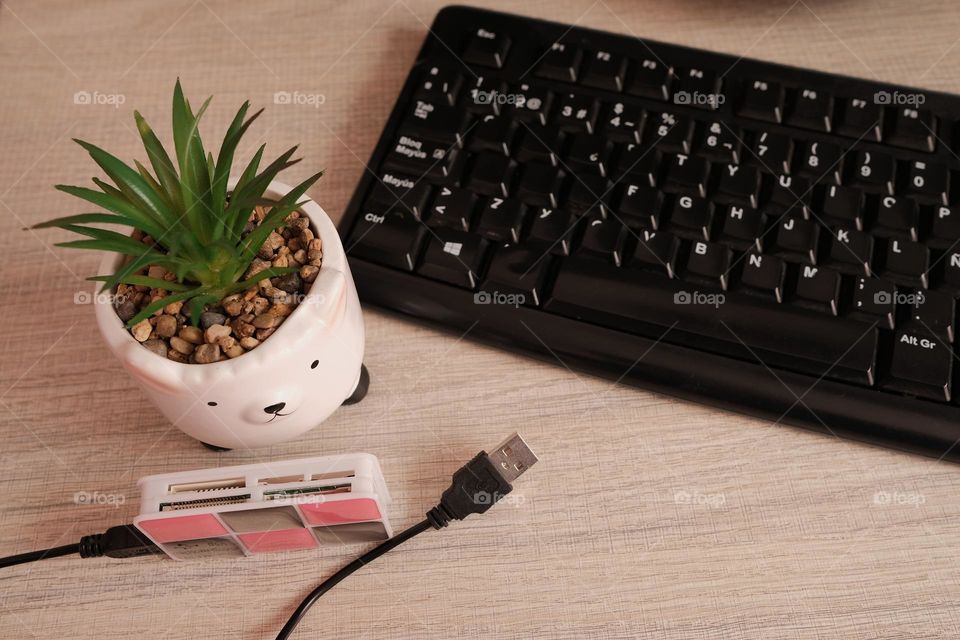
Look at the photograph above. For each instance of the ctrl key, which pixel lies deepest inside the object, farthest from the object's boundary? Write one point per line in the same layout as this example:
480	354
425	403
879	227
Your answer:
392	239
921	364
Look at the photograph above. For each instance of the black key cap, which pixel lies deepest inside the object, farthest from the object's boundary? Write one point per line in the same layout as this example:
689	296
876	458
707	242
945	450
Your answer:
531	105
640	302
540	184
818	288
485	96
945	229
435	121
560	62
588	193
576	113
737	184
709	263
421	157
721	143
491	174
540	143
453	208
797	240
403	192
392	239
851	251
914	129
764	275
933	310
439	85
493	133
762	100
554	228
656	251
928	182
602	238
640	204
951	270
639	163
907	263
861	119
454	257
698	88
517	270
773	152
921	364
651	79
811	109
843	205
691	218
873	172
743	227
790	194
670	133
624	123
686	174
487	47
589	154
822	162
605	70
897	217
501	220
874	300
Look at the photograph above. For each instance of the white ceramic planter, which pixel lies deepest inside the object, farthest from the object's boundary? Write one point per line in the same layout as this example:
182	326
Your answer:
223	403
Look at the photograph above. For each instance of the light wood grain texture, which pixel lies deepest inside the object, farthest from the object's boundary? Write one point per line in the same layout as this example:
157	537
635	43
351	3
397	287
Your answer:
647	516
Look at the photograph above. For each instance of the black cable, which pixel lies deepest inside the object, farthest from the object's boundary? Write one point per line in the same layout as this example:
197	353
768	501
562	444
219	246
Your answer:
335	579
30	556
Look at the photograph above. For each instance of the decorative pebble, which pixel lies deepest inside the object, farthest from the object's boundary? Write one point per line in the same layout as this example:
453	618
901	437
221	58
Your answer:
263	321
232	304
309	272
142	330
206	353
290	283
159	347
166	326
256	267
249	342
210	318
173	308
125	307
176	356
191	334
181	345
215	332
156	272
230	347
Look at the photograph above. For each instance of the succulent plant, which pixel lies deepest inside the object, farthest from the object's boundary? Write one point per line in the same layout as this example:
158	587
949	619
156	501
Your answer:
199	227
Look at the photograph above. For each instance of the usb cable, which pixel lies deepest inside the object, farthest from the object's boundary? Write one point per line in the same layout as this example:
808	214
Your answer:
476	487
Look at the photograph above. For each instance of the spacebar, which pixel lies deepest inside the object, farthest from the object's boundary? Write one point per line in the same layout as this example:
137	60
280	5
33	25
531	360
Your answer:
737	325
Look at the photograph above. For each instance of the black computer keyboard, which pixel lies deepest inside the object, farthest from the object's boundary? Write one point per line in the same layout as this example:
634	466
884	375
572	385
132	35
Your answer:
776	241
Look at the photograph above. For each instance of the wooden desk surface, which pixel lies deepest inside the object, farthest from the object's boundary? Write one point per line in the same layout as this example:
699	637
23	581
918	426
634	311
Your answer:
646	517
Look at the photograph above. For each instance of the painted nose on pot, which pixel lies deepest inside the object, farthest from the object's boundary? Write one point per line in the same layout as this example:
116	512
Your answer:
275	408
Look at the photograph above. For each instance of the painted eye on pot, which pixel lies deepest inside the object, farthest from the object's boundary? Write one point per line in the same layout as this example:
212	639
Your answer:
313	365
211	404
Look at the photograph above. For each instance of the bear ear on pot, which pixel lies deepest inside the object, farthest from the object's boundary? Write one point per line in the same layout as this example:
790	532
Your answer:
153	371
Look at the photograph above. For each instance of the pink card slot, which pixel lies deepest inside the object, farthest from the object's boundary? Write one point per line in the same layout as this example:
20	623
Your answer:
341	511
270	541
183	528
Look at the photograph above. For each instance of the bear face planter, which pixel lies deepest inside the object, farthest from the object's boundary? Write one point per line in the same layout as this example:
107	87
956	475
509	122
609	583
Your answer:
289	384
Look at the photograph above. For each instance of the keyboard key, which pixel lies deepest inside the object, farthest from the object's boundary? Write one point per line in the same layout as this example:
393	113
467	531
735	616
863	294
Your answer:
698	88
553	228
421	157
454	257
861	119
588	193
691	218
721	143
487	47
518	270
399	191
589	153
670	133
629	300
927	182
818	288
540	184
951	270
540	142
921	364
764	275
914	129
822	162
624	123
873	172
762	100
897	217
875	300
641	204
605	70
392	238
945	229
737	185
639	163
491	174
811	109
851	251
531	105
493	133
560	62
772	152
797	240
576	113
686	174
709	263
656	251
907	263
651	79
501	220
791	194
435	121
439	85
843	205
452	208
602	238
933	310
484	96
743	227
